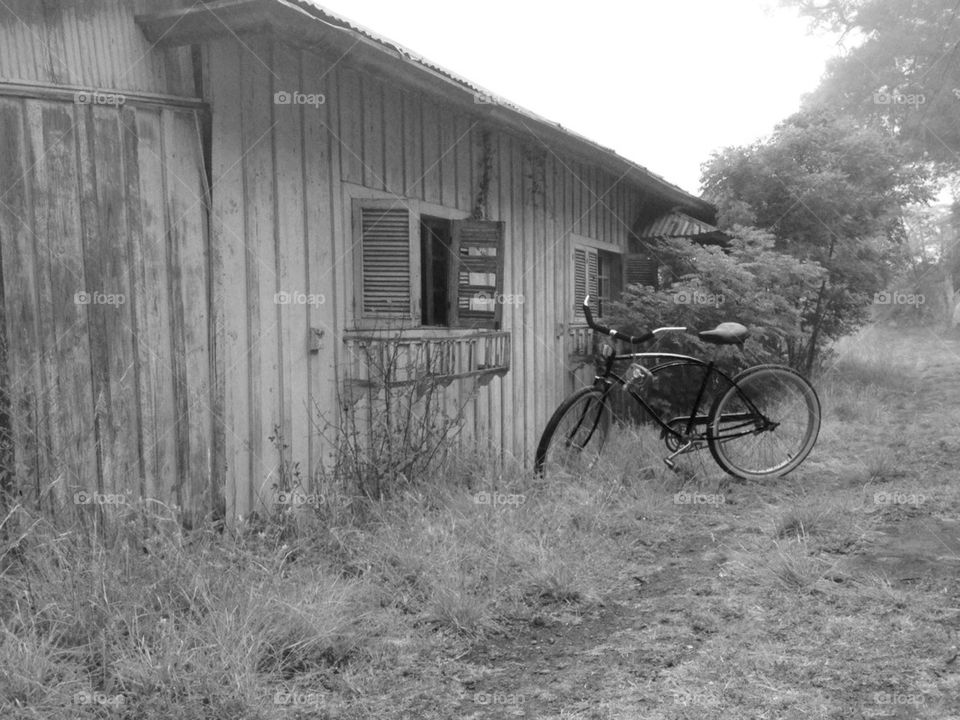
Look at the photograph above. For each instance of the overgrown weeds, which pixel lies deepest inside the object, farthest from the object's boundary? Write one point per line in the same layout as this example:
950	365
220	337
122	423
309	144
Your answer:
352	607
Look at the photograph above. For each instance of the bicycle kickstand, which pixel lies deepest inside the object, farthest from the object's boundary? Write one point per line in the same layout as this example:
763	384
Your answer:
680	450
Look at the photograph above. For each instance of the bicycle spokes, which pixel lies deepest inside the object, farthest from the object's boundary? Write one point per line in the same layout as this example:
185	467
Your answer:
576	433
766	424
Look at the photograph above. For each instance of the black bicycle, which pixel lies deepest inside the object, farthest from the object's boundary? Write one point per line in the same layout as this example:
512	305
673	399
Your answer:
762	423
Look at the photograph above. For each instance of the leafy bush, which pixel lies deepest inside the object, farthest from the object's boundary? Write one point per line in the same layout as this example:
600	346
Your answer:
748	282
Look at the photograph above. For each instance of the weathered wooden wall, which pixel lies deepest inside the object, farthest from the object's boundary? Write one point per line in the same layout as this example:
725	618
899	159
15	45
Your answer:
103	232
283	178
200	389
90	44
103	202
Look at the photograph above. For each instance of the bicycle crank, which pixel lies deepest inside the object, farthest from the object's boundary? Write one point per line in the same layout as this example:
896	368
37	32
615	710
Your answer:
686	447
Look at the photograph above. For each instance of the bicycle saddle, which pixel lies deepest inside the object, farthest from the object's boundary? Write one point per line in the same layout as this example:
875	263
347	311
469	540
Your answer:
728	333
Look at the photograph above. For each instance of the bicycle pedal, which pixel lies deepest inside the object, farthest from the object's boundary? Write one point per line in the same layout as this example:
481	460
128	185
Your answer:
670	463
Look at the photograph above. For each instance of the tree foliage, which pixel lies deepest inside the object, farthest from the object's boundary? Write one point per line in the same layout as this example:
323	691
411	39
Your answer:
830	190
902	71
749	282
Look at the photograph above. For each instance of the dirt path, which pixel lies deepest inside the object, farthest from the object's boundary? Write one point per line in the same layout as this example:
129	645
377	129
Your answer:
584	662
719	618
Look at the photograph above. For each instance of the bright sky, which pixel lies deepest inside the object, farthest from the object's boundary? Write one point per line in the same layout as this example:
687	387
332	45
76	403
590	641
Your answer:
664	83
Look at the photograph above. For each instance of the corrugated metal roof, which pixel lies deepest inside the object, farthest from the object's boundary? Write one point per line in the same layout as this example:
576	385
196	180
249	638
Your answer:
676	224
322	13
348	24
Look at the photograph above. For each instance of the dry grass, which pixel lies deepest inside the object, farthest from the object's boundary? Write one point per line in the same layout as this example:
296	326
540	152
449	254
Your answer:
739	609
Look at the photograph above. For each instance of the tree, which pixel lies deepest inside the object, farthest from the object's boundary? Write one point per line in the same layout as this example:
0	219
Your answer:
830	190
903	73
933	273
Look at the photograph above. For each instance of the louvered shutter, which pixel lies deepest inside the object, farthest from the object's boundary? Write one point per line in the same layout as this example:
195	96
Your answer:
476	278
385	232
584	280
641	269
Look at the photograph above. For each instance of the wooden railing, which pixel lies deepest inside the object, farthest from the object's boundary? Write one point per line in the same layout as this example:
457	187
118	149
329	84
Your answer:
390	361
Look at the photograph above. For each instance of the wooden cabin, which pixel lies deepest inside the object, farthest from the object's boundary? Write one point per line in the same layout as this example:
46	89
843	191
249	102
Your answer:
211	214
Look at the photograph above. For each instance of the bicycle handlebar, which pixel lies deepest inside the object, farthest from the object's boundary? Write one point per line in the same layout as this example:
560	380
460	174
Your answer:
616	335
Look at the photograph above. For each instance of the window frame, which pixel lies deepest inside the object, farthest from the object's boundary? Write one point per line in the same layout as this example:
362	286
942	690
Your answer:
358	196
596	247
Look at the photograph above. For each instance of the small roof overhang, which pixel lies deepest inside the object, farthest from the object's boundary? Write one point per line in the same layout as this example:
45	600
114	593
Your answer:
678	224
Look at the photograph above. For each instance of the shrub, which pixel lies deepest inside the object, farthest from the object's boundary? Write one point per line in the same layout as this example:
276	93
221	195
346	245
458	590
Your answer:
747	282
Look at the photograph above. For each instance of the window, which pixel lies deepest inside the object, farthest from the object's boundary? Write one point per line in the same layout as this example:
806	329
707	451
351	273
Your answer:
425	269
599	274
436	240
642	269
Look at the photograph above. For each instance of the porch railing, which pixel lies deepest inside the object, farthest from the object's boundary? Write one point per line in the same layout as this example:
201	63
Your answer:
391	361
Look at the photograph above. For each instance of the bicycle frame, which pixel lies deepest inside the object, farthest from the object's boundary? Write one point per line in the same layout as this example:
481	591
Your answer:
748	419
725	407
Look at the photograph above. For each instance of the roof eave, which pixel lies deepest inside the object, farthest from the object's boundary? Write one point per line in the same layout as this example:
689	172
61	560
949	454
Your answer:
287	20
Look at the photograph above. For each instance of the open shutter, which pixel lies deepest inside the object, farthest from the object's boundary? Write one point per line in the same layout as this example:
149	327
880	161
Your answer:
584	280
641	269
385	262
476	274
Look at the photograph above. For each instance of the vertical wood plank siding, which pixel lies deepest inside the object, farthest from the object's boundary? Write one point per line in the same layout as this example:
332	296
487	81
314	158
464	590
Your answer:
103	235
405	145
89	44
203	387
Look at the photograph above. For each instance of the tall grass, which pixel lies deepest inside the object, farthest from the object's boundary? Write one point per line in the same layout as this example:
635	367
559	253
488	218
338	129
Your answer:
143	618
288	614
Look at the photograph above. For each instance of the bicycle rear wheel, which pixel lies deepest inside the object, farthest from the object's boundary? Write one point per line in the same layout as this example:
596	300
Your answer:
575	434
765	424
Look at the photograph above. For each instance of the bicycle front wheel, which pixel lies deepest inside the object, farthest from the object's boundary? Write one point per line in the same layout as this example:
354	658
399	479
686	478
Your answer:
575	434
765	424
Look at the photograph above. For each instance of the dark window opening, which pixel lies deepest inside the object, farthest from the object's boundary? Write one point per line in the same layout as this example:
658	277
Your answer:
609	280
599	274
435	255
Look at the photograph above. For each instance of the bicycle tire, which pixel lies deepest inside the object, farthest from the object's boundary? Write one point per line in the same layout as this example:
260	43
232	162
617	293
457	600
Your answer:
782	395
583	416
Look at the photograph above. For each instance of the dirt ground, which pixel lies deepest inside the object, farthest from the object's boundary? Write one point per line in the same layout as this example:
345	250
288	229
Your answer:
863	624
